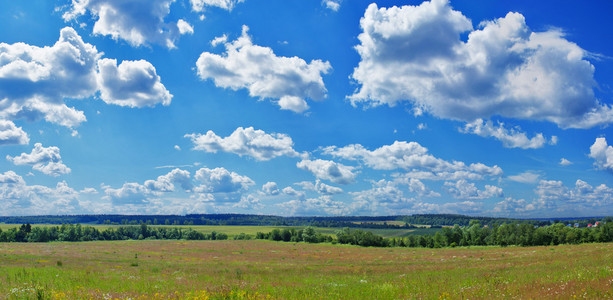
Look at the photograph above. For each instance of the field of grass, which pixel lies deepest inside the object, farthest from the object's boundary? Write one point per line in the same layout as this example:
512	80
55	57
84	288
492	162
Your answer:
258	269
231	231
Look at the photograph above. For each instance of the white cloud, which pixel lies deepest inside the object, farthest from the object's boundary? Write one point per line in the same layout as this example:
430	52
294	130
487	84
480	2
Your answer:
246	141
334	5
165	183
219	40
510	138
46	160
129	193
34	80
510	206
323	205
325	189
565	162
526	177
412	157
416	54
328	170
416	186
462	189
198	5
132	83
247	66
184	27
177	148
137	22
18	198
220	180
602	153
270	189
11	134
289	191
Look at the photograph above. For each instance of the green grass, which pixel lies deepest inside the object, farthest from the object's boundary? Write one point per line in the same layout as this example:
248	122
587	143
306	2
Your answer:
262	269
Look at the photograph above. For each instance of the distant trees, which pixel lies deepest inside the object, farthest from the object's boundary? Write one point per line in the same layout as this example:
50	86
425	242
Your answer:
507	234
76	233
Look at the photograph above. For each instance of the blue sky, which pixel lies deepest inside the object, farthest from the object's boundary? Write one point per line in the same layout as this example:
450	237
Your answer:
491	108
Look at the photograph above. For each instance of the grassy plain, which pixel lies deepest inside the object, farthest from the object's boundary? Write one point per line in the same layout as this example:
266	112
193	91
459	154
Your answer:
231	231
258	269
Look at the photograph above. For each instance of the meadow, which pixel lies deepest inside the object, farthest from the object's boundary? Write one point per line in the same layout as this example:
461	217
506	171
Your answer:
260	269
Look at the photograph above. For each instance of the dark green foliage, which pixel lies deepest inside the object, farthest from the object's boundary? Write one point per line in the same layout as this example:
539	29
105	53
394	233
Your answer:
78	233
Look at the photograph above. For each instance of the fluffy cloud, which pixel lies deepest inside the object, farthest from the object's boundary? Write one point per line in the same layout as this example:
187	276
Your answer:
18	198
270	189
565	162
328	170
129	193
11	134
462	189
46	160
325	189
132	83
416	54
137	22
510	138
526	177
510	206
198	5
334	5
34	81
323	205
246	141
220	180
166	183
412	157
289	191
602	153
290	80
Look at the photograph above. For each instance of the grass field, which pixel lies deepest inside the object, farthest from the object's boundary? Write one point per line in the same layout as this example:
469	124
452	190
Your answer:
252	230
262	269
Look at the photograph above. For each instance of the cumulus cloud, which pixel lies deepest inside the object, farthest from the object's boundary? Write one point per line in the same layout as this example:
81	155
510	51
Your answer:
246	141
137	22
270	189
11	134
510	206
166	183
462	189
18	198
334	5
34	81
199	5
325	189
323	205
290	191
129	193
328	170
220	180
565	162
132	84
184	27
290	80
46	160
526	177
411	156
510	138
602	154
417	54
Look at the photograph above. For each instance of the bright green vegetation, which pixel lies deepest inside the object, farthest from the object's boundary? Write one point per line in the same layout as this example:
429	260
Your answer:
257	269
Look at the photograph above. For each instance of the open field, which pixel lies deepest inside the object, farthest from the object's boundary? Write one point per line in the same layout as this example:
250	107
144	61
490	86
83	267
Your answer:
263	269
231	231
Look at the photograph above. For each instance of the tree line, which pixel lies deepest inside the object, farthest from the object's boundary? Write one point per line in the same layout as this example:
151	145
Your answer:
507	234
79	233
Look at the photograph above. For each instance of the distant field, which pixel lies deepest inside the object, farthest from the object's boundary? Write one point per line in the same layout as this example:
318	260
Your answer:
252	230
264	269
